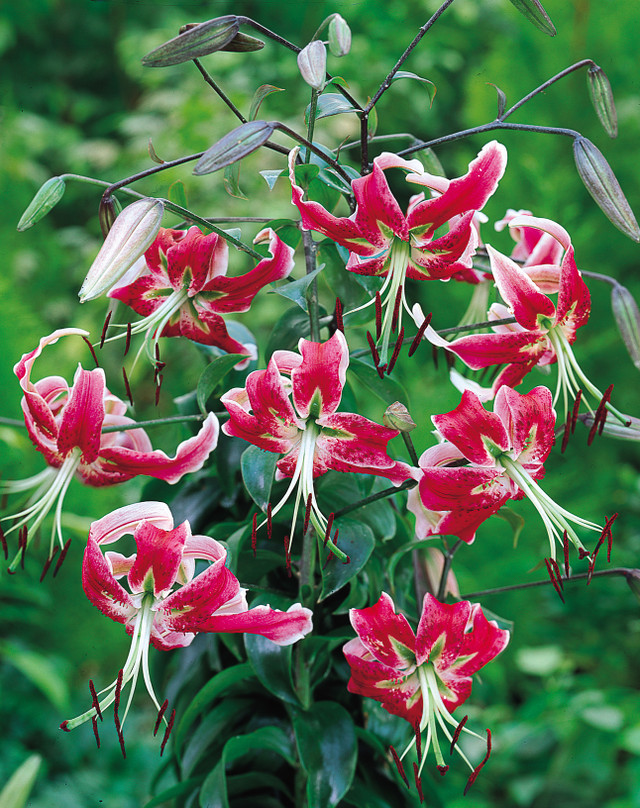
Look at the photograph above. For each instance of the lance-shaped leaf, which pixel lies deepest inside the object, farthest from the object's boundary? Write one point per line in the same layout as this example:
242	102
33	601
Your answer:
298	291
330	104
535	13
429	85
602	99
258	97
47	198
627	316
243	140
258	469
18	788
208	37
212	375
601	182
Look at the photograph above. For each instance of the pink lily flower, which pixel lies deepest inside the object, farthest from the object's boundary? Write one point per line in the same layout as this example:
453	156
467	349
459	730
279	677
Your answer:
423	676
384	241
291	408
184	290
65	424
543	332
166	606
487	458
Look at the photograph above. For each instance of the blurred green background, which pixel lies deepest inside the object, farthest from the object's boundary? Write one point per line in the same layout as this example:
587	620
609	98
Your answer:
563	700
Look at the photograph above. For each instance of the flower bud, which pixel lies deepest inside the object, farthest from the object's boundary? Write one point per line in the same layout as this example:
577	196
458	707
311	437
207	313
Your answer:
397	416
312	63
339	36
132	234
602	99
47	197
627	317
108	212
194	41
601	182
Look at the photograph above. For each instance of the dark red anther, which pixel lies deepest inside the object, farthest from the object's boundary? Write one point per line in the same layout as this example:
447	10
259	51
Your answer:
93	353
327	532
127	343
338	315
63	555
609	535
157	354
399	766
576	407
105	328
47	564
287	555
600	416
456	734
565	547
116	703
64	726
167	731
396	351
556	571
556	584
254	533
120	737
476	771
374	350
126	386
567	432
269	522
94	724
158	388
434	355
307	514
418	783
161	713
3	541
418	337
416	730
94	699
378	315
396	309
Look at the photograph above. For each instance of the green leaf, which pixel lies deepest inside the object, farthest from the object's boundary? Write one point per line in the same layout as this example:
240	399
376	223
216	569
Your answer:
387	389
258	469
235	145
18	788
272	666
199	40
357	541
270	175
177	194
330	104
293	324
514	520
429	85
176	790
45	199
328	749
41	672
218	723
297	291
212	375
258	97
627	317
535	13
231	181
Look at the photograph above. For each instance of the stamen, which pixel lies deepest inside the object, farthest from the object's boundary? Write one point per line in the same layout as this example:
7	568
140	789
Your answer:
116	703
22	544
94	724
456	733
47	563
576	407
556	584
396	309
378	316
396	351
478	768
63	555
126	386
418	782
418	337
600	416
93	353
399	766
567	431
161	712
287	555
269	522
607	531
116	717
307	514
374	350
416	729
167	732
94	699
565	547
64	726
127	343
254	534
338	315
5	548
105	328
327	532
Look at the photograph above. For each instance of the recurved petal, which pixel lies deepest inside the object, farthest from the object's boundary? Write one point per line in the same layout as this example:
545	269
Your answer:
125	520
386	635
529	420
83	415
101	587
574	300
282	628
319	379
482	641
470	427
519	291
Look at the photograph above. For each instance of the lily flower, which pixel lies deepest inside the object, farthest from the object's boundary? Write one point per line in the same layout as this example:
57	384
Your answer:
487	458
184	290
384	241
65	424
424	676
291	408
543	332
166	606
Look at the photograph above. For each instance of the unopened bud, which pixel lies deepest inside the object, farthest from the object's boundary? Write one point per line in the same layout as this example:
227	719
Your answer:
397	416
194	41
601	182
602	99
108	212
339	36
627	317
47	197
312	63
132	234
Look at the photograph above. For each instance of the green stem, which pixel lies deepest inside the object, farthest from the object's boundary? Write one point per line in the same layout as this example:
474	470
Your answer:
627	572
406	437
387	492
448	560
314	308
11	422
546	84
313	109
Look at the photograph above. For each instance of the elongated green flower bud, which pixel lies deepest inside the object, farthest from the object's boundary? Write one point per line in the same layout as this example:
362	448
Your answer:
47	198
602	99
339	36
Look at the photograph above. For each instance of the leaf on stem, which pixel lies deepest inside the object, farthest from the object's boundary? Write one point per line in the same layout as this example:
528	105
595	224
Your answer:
199	40
601	182
602	99
46	198
237	144
258	97
212	375
502	99
535	13
627	317
258	469
429	85
329	104
298	291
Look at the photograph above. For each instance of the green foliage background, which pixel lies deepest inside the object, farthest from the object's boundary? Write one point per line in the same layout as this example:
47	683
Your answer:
563	699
